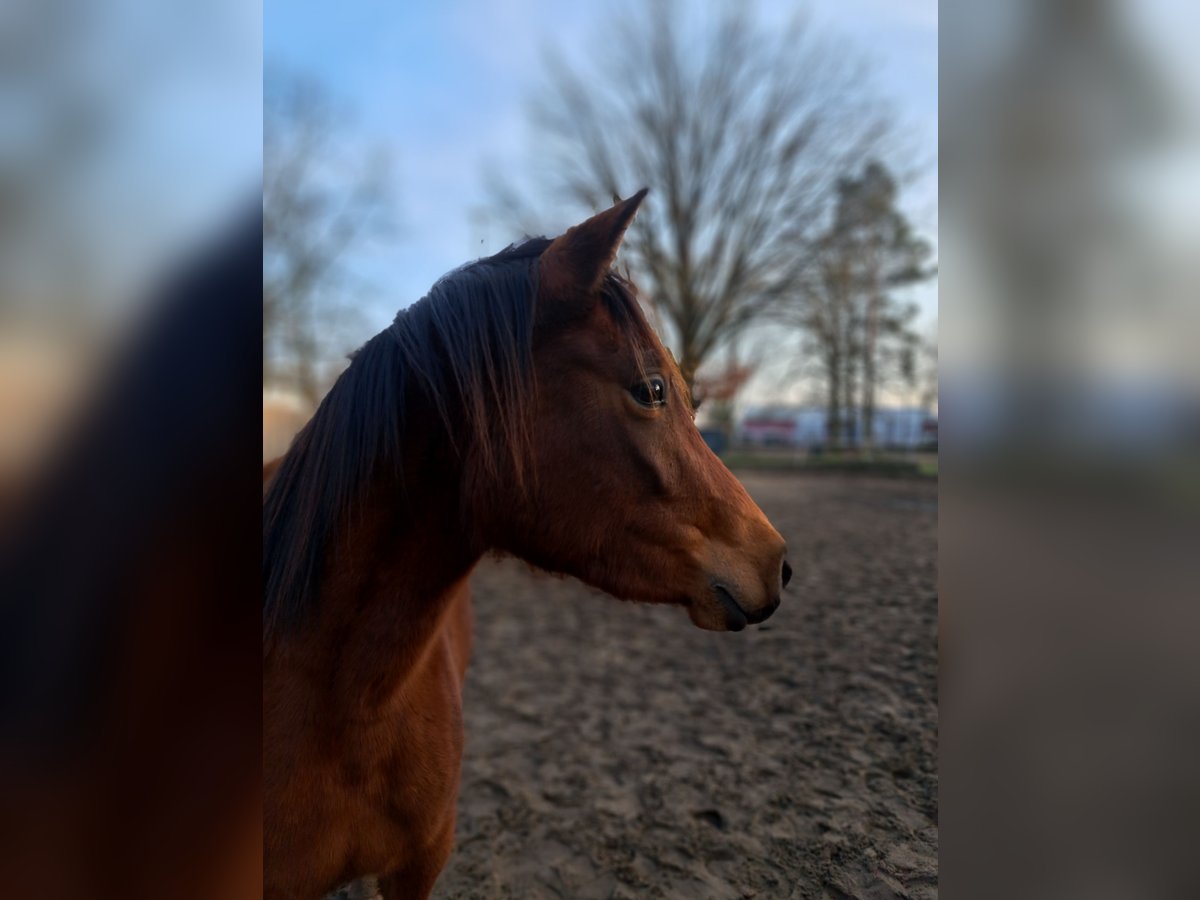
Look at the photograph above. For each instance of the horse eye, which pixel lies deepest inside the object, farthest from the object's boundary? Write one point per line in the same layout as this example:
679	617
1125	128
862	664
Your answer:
651	392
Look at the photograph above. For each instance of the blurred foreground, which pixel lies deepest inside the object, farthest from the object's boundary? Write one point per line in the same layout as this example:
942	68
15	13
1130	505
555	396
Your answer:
130	719
1070	439
130	316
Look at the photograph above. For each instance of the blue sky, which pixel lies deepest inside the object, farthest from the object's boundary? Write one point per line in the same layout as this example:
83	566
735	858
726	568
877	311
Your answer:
443	88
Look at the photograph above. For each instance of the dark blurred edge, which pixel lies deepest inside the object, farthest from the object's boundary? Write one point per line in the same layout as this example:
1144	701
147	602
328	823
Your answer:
1069	528
130	665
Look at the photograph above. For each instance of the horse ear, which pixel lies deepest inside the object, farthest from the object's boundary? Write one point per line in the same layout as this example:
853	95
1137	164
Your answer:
578	259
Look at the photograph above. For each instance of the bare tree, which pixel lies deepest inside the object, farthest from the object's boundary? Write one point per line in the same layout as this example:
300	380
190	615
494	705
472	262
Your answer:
319	203
739	131
858	329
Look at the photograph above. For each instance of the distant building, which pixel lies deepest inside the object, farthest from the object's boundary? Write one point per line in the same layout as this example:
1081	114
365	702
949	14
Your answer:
803	427
782	427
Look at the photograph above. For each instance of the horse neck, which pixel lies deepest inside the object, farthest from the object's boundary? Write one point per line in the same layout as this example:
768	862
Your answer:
391	571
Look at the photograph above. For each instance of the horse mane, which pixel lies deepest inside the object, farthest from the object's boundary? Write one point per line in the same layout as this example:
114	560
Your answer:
468	346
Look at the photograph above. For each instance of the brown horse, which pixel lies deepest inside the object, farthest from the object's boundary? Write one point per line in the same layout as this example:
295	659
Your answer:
524	406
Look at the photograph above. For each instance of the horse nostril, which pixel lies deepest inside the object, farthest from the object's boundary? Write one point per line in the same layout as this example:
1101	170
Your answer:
787	573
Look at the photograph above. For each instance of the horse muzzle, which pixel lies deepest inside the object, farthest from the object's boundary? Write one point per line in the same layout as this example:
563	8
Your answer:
723	610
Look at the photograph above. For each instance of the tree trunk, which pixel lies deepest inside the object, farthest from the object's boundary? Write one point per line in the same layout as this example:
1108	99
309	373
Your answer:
849	379
833	401
869	374
688	363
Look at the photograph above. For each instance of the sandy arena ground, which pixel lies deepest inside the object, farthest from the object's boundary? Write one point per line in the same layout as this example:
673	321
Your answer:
615	750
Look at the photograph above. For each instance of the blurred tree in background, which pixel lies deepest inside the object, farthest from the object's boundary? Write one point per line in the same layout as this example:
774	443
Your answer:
742	133
859	332
318	203
927	373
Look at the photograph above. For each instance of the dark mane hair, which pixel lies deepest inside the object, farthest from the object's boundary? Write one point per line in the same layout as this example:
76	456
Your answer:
468	346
